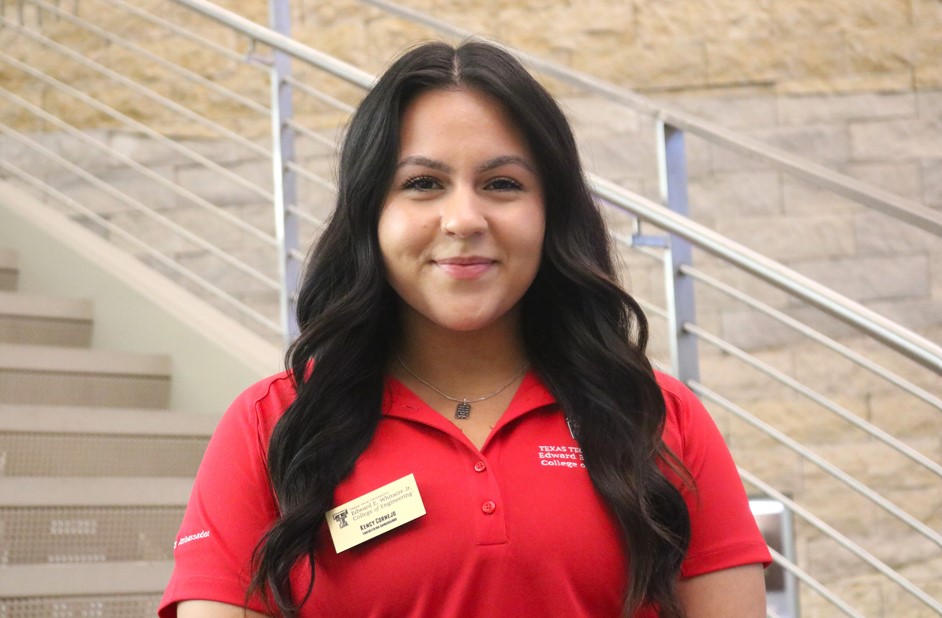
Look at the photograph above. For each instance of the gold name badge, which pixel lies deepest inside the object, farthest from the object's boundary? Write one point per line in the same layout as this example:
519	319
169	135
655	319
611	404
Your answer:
375	513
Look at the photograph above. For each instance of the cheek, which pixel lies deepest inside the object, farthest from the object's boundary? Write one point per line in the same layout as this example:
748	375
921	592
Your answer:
389	233
400	243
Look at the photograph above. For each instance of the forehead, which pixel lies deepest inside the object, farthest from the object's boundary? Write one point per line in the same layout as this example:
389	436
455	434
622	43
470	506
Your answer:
459	119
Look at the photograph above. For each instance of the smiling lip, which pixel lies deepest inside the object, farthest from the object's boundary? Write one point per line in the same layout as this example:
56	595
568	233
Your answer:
465	267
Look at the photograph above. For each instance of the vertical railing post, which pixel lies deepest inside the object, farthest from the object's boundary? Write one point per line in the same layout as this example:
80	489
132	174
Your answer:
285	182
672	168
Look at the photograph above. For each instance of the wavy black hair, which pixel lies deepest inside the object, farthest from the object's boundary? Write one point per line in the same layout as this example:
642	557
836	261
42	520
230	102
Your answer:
584	335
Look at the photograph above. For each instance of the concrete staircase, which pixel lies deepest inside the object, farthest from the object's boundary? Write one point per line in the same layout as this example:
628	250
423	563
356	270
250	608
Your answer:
94	470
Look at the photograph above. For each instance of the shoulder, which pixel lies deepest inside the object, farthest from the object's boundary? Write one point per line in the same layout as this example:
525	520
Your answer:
686	418
269	395
679	400
257	409
670	386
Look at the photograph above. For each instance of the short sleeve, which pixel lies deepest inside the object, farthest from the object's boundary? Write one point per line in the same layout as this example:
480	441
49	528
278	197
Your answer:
230	508
724	533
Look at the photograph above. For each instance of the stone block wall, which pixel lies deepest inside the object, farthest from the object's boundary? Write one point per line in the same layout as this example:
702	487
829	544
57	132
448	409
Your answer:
857	88
776	47
888	266
783	46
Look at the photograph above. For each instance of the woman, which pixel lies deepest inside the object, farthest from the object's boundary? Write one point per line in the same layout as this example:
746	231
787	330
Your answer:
469	426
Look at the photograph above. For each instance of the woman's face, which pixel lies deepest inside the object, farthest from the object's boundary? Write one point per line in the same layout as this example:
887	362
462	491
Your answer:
461	230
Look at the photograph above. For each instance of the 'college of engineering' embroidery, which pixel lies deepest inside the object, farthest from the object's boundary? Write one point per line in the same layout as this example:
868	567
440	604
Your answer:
561	456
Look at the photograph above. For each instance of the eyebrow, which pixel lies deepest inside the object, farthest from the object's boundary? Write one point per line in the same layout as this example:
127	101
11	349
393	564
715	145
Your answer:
425	162
505	160
487	166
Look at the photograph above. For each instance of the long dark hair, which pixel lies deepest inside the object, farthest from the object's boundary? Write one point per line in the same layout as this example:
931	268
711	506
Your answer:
589	348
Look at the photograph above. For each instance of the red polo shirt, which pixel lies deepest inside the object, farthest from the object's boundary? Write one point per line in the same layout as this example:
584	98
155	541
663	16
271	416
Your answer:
513	529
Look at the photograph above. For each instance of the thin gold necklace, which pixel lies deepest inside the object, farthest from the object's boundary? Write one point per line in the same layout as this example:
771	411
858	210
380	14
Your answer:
463	409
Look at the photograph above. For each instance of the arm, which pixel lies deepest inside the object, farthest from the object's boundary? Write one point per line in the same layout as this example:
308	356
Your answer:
231	505
722	575
212	609
738	591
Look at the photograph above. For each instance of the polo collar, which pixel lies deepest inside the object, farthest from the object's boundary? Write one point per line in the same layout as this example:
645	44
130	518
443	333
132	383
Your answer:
401	402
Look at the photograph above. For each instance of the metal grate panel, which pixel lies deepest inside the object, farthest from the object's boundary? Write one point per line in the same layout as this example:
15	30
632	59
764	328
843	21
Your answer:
84	389
42	454
8	278
78	534
137	606
45	331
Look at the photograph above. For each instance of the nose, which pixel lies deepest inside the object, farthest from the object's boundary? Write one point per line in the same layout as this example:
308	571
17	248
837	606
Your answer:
462	214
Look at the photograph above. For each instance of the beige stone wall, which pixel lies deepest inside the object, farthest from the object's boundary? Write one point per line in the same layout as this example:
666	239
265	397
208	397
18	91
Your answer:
783	46
774	47
855	86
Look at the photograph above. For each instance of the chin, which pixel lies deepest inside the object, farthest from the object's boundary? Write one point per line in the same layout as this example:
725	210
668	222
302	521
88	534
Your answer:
466	326
476	323
466	317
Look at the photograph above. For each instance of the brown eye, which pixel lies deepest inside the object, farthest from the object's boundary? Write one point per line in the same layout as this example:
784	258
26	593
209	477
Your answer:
504	184
421	183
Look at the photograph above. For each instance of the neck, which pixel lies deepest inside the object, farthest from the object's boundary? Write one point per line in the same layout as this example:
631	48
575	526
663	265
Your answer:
459	362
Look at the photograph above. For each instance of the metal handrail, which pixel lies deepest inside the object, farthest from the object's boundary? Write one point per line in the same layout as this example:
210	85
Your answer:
146	92
815	335
651	309
331	65
308	217
128	121
152	57
909	211
309	175
147	249
827	466
142	208
183	32
829	530
320	96
648	307
814	584
899	338
317	179
301	129
899	446
143	170
893	335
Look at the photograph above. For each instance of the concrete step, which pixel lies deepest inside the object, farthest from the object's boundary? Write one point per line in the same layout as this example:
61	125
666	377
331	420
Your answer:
68	520
45	320
34	374
9	269
66	441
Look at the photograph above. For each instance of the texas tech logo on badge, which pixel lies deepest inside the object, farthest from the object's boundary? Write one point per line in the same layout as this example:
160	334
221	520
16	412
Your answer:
341	518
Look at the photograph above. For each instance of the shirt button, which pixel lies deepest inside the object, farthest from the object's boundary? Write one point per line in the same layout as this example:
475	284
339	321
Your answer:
480	466
488	507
